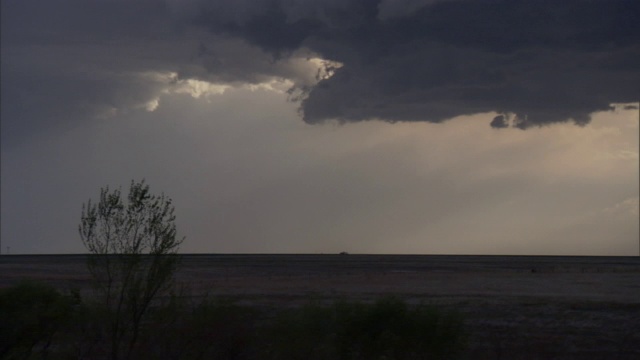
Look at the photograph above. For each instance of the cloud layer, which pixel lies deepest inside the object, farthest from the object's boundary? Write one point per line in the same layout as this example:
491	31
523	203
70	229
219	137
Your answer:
538	62
535	62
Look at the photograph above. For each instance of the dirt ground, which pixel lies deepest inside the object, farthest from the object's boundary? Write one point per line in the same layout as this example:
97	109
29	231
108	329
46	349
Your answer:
515	307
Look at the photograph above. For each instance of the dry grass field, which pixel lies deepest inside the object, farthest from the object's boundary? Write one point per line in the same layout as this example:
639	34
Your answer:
515	307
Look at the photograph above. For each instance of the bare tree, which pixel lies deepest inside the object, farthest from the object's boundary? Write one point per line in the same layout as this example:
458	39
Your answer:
133	257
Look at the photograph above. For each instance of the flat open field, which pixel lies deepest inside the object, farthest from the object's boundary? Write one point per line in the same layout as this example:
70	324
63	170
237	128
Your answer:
515	307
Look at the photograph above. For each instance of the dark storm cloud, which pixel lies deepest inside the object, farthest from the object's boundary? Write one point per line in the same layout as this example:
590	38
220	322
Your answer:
541	61
536	62
68	62
500	122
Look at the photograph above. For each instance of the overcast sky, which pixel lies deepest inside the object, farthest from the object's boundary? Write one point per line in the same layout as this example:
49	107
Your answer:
320	126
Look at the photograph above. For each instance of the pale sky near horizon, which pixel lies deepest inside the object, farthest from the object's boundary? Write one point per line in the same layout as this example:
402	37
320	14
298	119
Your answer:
299	126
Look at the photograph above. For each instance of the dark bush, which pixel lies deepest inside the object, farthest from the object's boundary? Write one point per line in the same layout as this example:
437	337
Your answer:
391	329
37	322
386	329
306	333
31	315
212	329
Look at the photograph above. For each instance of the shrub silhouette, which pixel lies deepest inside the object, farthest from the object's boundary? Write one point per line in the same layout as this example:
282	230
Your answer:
386	329
40	322
212	329
133	257
31	314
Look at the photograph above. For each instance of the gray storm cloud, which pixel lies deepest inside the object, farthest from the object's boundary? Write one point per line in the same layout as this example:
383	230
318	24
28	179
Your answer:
536	62
68	62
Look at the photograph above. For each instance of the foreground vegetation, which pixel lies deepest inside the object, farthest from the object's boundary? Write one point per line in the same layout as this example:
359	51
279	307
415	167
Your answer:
39	322
134	312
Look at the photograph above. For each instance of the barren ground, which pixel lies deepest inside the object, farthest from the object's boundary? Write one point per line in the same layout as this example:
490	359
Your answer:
515	307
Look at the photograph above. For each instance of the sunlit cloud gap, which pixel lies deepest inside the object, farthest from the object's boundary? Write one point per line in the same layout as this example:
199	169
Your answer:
314	70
